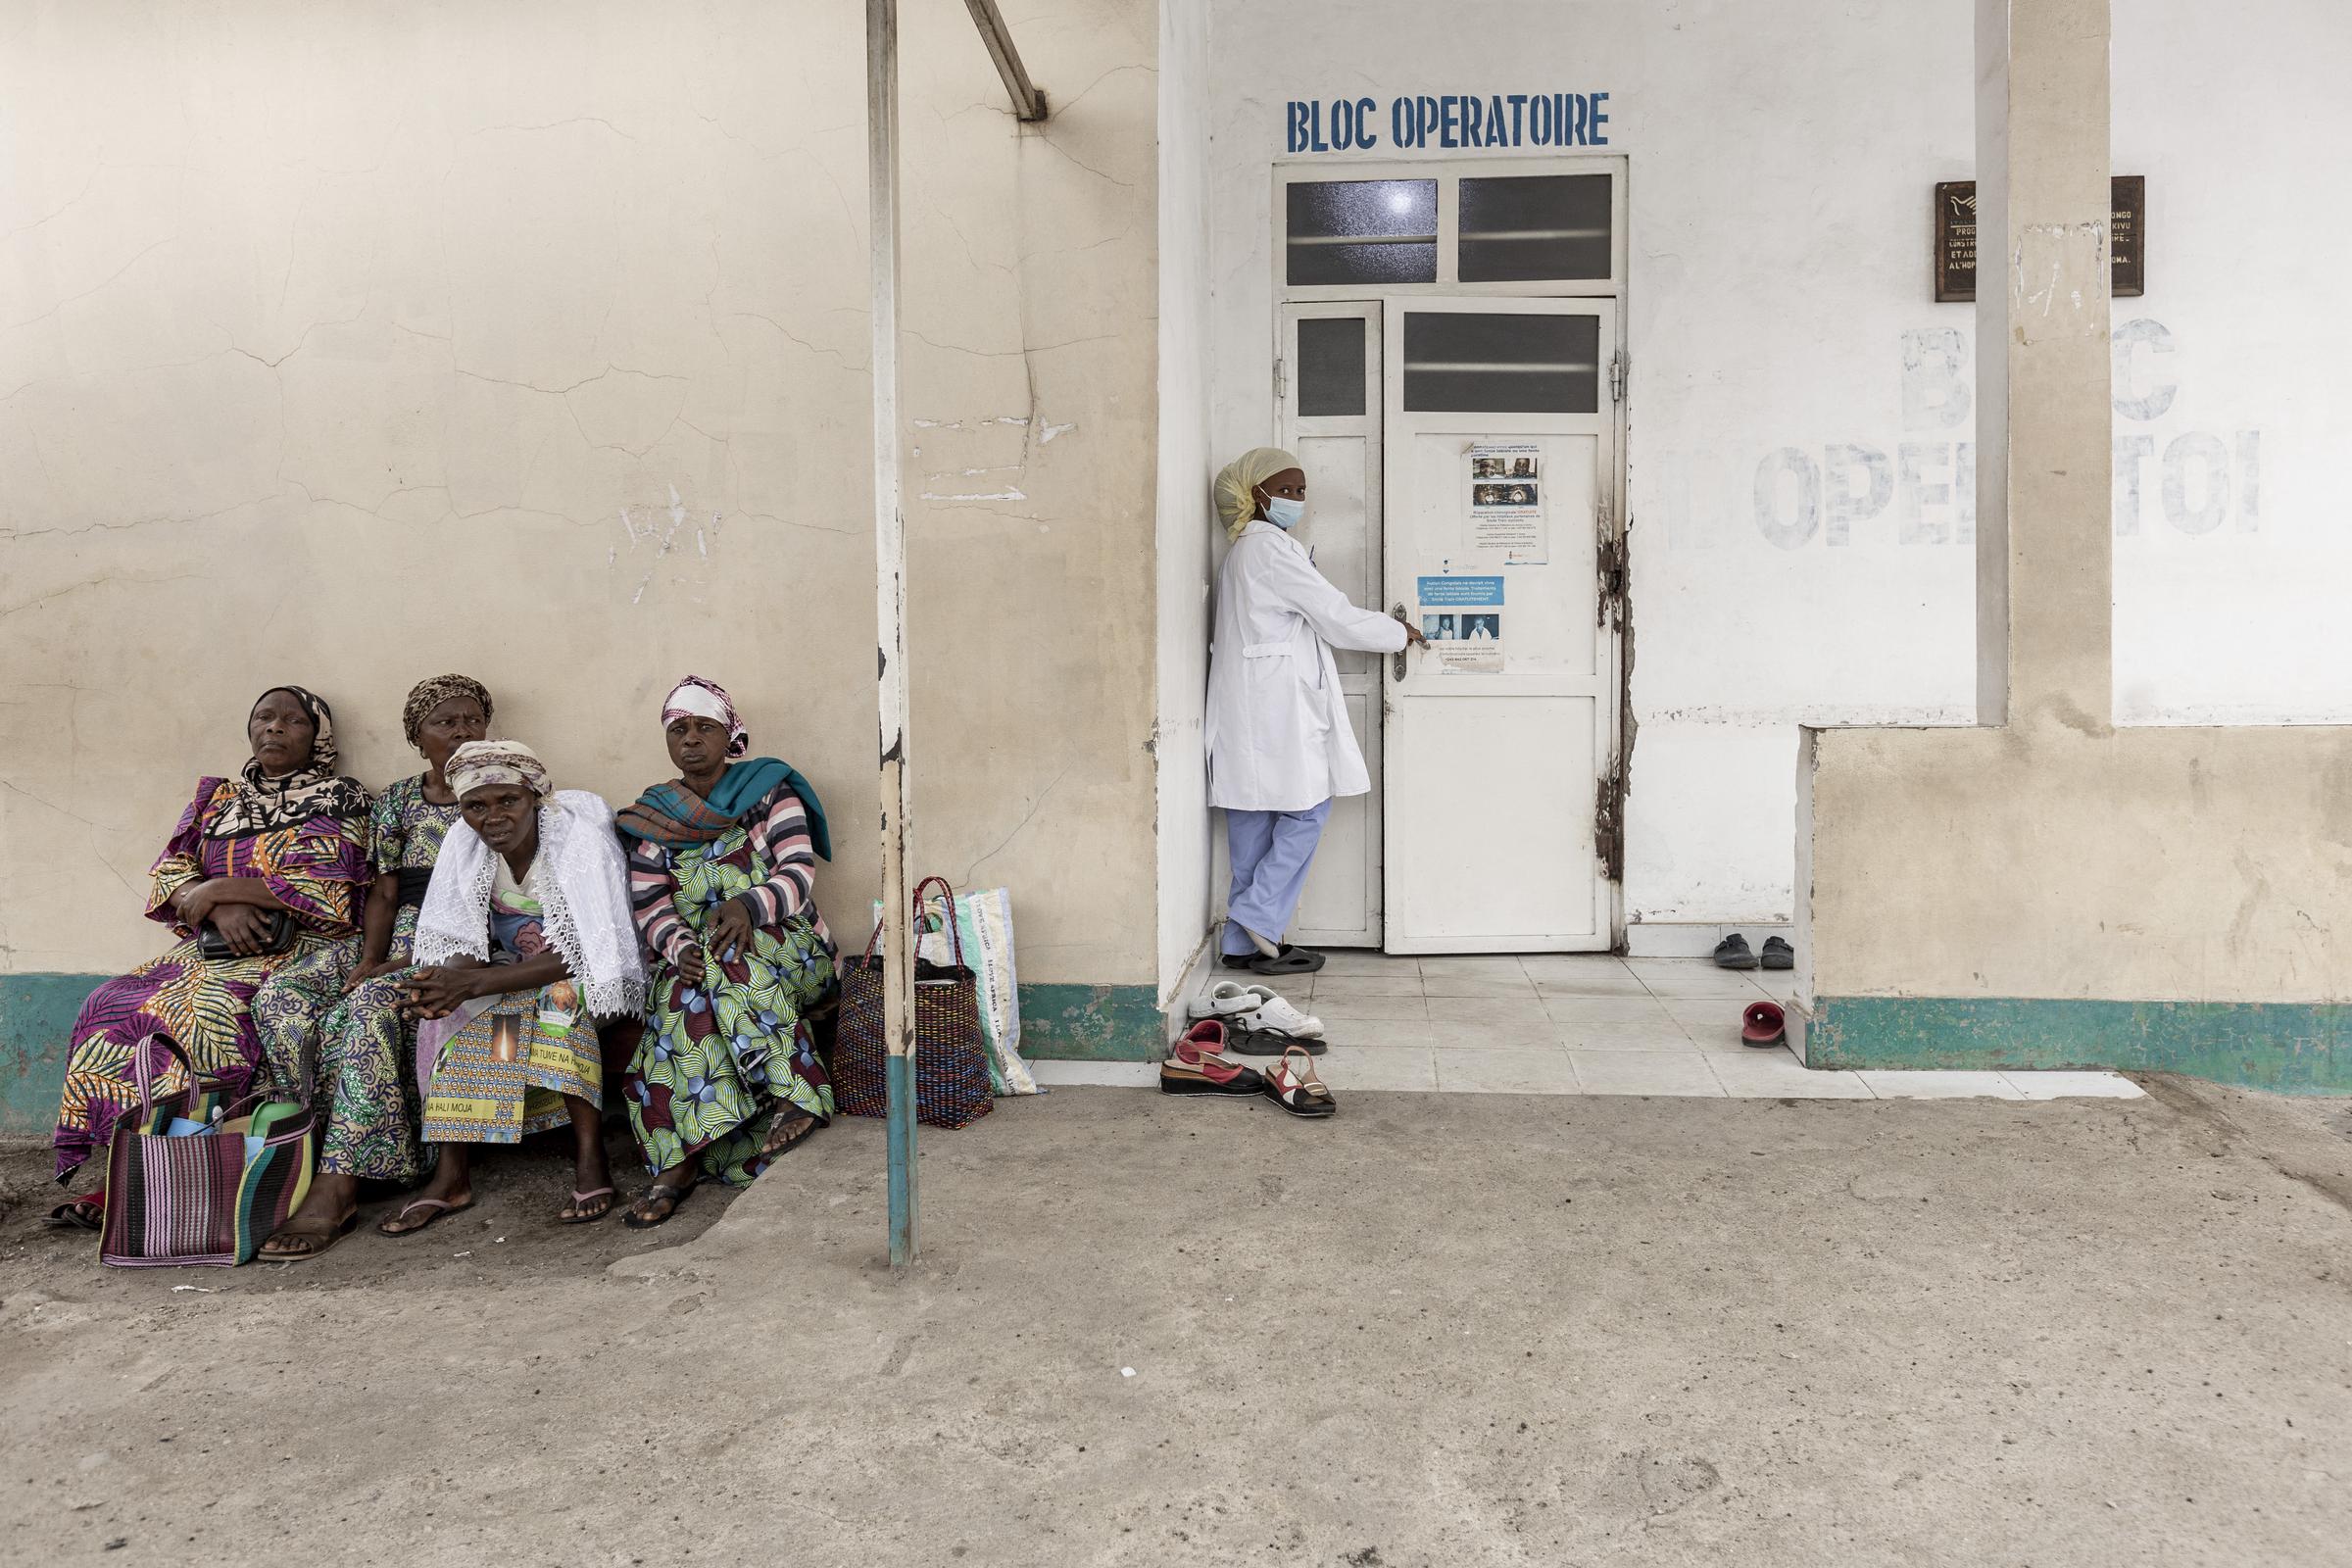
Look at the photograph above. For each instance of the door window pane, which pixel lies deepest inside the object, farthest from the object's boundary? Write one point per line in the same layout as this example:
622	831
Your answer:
1362	231
1530	227
1478	364
1331	366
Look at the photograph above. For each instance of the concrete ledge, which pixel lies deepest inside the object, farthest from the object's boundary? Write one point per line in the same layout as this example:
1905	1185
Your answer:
1058	1022
2289	1048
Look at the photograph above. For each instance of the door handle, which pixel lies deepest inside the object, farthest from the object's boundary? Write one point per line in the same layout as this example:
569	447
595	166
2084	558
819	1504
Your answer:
1398	610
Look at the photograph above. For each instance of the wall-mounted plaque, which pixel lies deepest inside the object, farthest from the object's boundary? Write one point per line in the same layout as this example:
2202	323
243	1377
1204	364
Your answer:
2127	238
1956	239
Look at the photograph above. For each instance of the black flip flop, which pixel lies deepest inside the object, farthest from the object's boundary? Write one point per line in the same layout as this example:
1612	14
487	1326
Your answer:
779	1150
1272	1042
79	1214
676	1196
1289	960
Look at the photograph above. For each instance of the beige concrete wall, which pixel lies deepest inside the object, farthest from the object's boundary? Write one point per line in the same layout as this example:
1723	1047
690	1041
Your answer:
2134	864
349	344
2056	857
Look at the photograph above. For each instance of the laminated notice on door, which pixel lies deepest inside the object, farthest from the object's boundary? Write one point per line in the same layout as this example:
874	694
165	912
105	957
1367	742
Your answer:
1462	619
1506	503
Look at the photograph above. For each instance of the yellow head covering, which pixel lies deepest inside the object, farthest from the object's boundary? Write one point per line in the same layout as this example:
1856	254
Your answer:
1254	467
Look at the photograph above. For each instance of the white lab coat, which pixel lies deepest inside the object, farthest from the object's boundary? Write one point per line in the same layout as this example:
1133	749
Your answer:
1277	729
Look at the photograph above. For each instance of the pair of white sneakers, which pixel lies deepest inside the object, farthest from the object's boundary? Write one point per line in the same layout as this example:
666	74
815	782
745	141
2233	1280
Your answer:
1240	1006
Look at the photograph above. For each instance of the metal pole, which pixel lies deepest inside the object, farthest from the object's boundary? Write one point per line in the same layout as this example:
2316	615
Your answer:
1028	101
890	613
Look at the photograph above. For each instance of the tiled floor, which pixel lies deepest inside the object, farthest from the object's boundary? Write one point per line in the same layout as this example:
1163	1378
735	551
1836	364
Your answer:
1579	1025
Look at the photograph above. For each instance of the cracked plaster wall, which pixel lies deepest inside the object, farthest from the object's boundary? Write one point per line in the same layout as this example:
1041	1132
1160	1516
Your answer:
351	344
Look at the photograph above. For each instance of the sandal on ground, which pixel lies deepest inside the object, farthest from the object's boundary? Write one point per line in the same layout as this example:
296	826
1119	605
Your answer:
1289	960
1732	953
1294	1086
440	1211
1777	954
1272	1042
660	1193
580	1215
781	1142
1196	1065
84	1213
317	1239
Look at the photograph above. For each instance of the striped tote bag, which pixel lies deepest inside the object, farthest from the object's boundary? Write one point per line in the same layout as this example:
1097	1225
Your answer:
181	1188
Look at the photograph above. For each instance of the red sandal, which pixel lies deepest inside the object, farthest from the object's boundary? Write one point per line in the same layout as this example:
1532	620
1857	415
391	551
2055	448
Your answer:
1294	1086
1196	1065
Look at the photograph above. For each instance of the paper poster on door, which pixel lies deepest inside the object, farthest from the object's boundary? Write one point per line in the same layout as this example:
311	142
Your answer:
1462	619
1506	502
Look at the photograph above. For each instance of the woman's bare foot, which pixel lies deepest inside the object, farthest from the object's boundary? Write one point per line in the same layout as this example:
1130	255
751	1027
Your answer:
449	1190
319	1222
788	1131
662	1199
591	1175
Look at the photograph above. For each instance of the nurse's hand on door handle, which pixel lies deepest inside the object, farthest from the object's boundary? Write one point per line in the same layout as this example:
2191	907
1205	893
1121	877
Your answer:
1412	638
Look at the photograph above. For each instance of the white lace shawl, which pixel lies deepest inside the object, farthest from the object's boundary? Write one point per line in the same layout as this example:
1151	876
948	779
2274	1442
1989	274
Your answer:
582	881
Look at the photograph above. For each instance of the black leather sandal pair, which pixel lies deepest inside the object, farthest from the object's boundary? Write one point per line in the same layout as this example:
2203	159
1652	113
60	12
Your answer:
1734	952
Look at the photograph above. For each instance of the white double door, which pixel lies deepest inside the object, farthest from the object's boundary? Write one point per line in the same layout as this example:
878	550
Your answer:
1461	463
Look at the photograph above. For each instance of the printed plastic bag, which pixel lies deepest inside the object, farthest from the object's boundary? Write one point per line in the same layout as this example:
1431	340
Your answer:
984	920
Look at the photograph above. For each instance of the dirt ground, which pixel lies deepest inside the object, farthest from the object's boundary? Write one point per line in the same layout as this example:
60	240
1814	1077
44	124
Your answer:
1436	1331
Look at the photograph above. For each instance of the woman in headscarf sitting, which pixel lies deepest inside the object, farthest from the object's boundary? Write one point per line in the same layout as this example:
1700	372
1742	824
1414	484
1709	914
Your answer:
263	871
723	867
525	941
334	1032
1279	745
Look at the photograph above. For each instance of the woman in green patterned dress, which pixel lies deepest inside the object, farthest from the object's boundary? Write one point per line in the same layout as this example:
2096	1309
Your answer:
722	866
333	1032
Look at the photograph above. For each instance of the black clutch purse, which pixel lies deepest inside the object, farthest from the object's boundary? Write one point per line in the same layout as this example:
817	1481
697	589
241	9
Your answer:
277	935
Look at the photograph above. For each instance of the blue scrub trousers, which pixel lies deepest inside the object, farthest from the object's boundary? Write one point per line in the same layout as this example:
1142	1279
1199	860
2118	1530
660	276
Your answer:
1270	853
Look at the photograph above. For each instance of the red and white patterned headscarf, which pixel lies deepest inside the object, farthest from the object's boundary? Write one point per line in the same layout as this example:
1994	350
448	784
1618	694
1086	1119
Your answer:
697	698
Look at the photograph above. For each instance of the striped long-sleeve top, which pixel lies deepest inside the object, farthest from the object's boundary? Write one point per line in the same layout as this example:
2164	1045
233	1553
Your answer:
778	834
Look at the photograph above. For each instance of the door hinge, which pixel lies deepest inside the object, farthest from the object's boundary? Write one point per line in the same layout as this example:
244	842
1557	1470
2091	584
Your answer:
1617	376
1279	386
1613	576
1608	820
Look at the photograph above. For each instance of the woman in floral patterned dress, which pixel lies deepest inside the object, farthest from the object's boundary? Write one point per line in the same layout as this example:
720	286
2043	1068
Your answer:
334	1031
271	861
723	864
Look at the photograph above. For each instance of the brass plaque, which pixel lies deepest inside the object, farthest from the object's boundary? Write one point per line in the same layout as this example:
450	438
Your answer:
1956	239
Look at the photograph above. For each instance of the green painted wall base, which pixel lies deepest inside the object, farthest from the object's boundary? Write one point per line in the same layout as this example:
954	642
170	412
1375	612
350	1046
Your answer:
2289	1048
1091	1023
37	1014
1058	1023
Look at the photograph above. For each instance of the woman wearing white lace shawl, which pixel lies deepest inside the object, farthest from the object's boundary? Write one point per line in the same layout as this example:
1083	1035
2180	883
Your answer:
524	940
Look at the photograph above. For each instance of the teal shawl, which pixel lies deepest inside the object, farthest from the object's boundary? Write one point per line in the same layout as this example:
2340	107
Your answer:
677	818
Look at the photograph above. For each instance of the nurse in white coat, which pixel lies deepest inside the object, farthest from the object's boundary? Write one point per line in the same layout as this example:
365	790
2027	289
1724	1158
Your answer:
1280	749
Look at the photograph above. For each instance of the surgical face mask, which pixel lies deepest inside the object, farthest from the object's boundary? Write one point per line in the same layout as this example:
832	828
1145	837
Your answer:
1284	512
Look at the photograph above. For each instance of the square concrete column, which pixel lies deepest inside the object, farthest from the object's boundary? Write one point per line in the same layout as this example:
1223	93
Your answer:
2043	414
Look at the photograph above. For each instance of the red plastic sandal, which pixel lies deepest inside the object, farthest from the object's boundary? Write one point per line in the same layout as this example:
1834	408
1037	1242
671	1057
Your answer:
1196	1065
